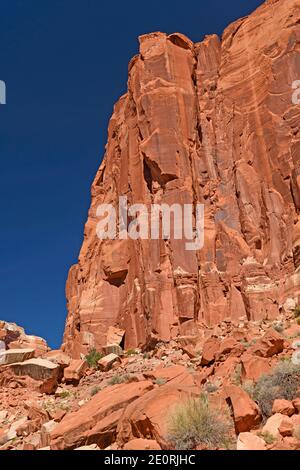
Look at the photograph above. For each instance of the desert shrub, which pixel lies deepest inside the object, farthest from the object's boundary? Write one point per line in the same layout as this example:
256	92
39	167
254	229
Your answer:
283	382
95	390
65	394
211	387
160	381
298	321
131	352
249	386
195	423
118	379
278	327
93	357
267	437
296	312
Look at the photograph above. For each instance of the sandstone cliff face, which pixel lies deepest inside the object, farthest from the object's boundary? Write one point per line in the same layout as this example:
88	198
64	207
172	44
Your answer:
214	123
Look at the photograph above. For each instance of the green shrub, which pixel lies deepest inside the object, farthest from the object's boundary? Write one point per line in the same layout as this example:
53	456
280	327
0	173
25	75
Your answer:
283	382
195	423
131	352
267	437
118	379
65	394
95	390
160	381
93	357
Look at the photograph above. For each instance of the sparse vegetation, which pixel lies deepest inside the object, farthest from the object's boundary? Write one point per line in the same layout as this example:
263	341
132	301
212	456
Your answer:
248	387
131	352
118	379
247	344
297	433
160	381
267	437
211	387
65	394
283	382
93	357
195	423
278	327
237	375
95	390
296	312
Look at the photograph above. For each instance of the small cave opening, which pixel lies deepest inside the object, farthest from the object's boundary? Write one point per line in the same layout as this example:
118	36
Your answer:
258	245
148	176
117	279
122	344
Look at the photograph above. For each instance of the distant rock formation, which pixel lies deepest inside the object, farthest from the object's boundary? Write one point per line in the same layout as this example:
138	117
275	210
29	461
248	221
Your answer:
213	123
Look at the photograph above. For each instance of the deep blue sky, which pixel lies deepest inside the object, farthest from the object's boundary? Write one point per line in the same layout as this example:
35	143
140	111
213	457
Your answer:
65	64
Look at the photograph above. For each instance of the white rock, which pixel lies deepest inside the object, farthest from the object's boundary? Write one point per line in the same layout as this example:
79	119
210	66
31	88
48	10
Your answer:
15	355
3	415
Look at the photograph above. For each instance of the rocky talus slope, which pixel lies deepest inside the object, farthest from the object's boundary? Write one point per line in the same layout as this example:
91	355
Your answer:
210	123
245	371
153	330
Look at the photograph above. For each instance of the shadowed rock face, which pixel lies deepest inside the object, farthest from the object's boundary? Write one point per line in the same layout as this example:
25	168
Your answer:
212	123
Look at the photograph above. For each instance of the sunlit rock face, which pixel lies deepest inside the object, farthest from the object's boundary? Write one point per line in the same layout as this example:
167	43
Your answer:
213	123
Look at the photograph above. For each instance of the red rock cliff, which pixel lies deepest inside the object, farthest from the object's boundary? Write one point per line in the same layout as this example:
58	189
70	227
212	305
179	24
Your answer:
214	123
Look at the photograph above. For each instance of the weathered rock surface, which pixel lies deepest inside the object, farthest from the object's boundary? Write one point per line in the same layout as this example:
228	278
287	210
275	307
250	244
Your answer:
96	422
213	123
248	441
75	371
13	336
246	413
40	370
15	355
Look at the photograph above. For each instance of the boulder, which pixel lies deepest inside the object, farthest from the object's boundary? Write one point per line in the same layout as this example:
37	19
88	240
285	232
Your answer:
147	417
15	355
285	407
270	344
58	357
174	374
296	404
107	362
39	370
75	371
249	441
210	350
286	427
46	430
273	424
87	422
253	367
229	347
246	413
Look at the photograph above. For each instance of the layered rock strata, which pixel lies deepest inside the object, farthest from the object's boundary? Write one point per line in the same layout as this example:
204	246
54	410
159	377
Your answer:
211	123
